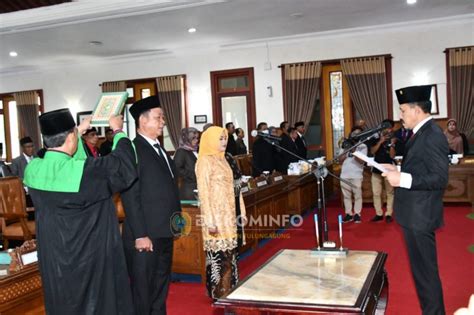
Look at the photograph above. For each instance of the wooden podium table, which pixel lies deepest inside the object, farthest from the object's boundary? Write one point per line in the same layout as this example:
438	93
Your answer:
300	282
21	292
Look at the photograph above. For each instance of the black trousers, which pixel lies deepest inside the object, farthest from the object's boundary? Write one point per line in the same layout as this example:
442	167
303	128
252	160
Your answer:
424	267
150	275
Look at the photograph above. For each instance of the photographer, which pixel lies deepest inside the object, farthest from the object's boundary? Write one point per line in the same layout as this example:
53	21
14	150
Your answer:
352	171
383	151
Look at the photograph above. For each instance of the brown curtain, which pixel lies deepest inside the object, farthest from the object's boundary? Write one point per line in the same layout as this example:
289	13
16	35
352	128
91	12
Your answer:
301	90
461	73
366	78
170	91
28	118
119	86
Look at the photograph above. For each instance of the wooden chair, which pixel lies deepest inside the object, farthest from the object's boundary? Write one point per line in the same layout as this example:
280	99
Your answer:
244	162
119	210
13	211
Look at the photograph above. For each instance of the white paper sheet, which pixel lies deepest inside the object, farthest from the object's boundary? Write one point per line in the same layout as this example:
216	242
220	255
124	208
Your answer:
369	161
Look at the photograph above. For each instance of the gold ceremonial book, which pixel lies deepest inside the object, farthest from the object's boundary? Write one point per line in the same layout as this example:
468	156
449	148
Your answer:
109	104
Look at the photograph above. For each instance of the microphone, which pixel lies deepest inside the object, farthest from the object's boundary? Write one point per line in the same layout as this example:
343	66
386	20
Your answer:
370	132
263	134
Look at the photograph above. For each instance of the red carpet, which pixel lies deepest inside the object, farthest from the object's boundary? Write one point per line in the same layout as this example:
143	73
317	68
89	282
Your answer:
456	263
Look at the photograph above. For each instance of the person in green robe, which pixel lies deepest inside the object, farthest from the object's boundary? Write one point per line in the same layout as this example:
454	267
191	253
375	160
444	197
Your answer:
80	252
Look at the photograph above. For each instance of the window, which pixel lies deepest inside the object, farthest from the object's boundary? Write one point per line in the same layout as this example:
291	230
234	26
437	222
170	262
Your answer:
334	113
233	100
9	126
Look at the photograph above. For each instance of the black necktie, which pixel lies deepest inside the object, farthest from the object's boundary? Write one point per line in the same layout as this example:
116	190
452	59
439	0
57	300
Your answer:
164	159
156	145
303	140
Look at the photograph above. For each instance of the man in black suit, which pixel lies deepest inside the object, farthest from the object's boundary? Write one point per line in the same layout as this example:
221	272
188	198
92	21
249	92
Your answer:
27	154
301	141
287	142
106	146
151	206
231	144
419	193
263	155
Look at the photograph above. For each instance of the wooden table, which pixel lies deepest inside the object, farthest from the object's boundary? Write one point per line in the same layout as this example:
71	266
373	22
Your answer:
21	292
300	282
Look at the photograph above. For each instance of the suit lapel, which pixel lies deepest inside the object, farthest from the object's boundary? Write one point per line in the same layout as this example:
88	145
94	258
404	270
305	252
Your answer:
410	143
152	151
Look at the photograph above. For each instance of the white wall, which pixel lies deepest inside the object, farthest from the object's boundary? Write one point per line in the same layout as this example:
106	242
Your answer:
417	52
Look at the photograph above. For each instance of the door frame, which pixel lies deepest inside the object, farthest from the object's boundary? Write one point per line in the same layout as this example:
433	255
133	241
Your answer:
248	92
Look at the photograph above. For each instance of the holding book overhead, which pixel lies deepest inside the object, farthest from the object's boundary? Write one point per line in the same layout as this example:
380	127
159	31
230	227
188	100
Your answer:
109	104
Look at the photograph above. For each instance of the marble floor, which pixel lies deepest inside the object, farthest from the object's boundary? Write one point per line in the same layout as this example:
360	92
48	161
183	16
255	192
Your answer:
300	276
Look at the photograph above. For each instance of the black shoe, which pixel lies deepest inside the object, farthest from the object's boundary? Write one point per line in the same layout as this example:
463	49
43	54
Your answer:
377	218
347	218
388	219
356	218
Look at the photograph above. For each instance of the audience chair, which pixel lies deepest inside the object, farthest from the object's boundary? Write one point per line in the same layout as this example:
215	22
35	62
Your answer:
244	162
13	213
119	210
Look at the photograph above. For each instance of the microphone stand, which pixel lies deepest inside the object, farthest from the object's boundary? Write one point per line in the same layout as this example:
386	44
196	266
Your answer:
325	247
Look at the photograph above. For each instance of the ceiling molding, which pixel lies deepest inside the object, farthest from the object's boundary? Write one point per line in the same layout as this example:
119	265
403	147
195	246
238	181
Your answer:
261	42
89	11
150	55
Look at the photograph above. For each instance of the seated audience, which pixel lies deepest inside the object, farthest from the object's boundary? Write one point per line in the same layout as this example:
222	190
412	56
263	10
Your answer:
231	145
106	146
218	211
263	155
455	140
185	161
352	172
241	147
90	139
27	154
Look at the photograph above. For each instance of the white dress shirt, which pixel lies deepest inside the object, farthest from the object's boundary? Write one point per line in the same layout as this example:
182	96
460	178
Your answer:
28	158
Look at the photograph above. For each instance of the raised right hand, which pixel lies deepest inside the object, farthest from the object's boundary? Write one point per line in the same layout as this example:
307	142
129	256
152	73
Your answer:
84	125
116	122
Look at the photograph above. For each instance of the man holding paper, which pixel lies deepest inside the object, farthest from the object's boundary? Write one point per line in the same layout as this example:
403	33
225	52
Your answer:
419	192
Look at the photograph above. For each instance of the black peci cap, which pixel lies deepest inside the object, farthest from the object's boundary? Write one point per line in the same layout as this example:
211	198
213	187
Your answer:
143	105
413	94
57	121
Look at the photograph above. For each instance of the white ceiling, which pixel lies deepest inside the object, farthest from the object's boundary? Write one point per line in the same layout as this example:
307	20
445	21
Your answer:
51	36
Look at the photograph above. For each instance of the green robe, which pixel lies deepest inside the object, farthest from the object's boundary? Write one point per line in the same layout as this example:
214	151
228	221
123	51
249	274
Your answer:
80	251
